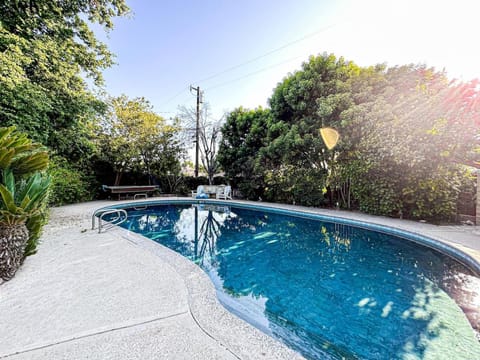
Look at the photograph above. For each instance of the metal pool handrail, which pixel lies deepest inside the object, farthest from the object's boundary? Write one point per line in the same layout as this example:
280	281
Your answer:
117	220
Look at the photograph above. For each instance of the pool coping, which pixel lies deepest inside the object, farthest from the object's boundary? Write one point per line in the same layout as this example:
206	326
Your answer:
236	335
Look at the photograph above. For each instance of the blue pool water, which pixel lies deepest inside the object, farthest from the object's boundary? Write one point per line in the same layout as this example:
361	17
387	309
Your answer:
327	290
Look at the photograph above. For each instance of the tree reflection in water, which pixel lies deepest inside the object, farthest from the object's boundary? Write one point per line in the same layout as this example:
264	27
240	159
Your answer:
208	222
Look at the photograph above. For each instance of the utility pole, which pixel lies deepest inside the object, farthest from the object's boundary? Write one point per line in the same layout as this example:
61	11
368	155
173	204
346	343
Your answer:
197	127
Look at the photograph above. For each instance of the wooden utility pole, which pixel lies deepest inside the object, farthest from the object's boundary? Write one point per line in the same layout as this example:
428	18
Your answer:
197	127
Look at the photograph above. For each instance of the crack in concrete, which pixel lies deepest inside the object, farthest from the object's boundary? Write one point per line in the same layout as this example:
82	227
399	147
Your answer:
211	336
94	334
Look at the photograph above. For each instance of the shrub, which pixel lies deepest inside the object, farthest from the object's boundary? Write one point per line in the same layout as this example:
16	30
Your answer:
466	202
171	184
432	197
192	182
219	180
69	185
250	189
296	185
23	197
408	192
377	196
376	190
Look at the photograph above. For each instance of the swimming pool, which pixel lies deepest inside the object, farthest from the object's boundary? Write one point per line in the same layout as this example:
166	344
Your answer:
326	289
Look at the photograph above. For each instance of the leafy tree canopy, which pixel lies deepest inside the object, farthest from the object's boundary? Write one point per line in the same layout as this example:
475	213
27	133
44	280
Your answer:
409	142
405	133
45	48
243	135
304	102
132	137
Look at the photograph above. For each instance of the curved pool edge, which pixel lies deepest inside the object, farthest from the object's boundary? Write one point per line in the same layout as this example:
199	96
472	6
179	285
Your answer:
240	338
233	333
406	229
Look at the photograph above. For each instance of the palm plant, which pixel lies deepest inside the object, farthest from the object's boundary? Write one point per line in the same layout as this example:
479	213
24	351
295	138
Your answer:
22	201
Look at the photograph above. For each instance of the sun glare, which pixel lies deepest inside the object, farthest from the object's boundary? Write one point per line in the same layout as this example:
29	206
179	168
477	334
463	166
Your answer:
438	33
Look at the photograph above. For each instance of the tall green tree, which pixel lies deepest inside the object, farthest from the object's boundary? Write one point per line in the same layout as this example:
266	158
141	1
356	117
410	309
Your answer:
298	161
46	47
243	135
133	137
405	135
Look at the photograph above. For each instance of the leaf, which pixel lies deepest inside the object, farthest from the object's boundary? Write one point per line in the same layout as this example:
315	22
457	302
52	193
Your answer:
27	187
25	202
31	163
9	218
33	193
6	156
8	201
5	132
9	182
330	137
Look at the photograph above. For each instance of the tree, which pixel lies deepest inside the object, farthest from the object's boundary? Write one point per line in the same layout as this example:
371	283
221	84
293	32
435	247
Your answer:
132	137
209	131
303	103
417	131
45	47
46	50
405	134
209	138
244	134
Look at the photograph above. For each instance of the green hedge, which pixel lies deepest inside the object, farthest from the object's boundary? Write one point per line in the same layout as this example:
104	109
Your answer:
69	185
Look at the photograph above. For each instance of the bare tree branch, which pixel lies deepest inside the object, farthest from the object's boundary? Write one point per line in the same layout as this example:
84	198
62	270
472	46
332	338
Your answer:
209	133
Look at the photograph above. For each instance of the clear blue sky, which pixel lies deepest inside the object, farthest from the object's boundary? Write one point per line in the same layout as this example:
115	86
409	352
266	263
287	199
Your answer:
167	45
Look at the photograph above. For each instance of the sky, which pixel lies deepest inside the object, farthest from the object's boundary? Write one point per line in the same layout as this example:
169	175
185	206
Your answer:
238	51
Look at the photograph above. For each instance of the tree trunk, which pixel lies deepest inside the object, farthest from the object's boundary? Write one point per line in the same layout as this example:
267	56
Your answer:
118	177
13	240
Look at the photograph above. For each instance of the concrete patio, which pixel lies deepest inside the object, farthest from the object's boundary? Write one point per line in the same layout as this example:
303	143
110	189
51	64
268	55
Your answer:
115	295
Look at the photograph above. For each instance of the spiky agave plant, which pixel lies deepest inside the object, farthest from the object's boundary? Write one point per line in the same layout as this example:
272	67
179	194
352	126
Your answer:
22	202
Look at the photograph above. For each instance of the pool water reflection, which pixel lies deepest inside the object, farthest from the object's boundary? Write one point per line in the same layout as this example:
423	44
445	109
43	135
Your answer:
329	291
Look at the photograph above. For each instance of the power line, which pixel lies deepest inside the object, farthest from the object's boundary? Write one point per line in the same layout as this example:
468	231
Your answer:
249	62
255	72
175	96
250	74
266	54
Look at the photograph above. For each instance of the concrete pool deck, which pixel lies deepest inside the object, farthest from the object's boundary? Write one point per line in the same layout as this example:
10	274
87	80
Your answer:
115	295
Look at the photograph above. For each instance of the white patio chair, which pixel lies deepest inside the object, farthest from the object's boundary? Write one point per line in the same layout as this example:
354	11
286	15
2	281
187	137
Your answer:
199	190
225	194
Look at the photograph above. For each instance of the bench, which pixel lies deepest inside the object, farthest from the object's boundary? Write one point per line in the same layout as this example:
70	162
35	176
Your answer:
139	191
